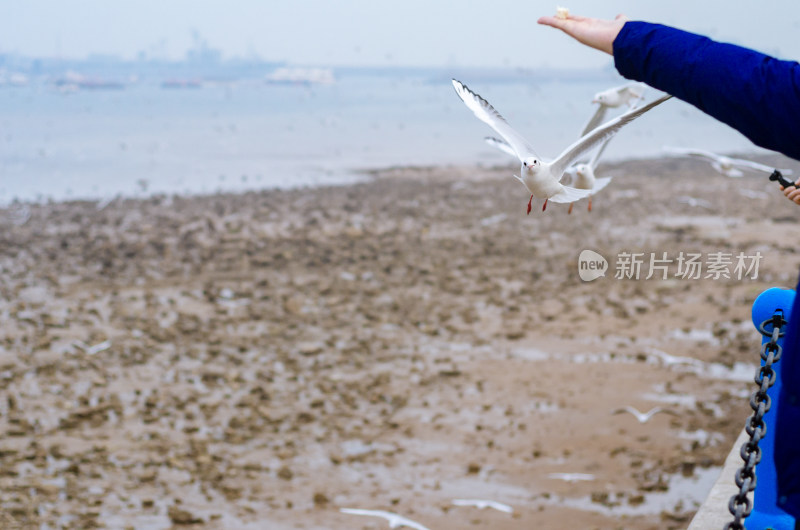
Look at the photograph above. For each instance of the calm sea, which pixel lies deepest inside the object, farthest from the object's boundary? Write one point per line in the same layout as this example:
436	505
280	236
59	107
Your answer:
252	135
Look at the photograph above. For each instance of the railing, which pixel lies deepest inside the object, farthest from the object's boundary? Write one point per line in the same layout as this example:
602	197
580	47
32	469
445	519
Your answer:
766	457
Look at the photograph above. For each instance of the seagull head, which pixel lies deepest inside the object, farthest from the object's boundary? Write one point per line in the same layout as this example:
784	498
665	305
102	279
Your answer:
600	97
531	164
583	170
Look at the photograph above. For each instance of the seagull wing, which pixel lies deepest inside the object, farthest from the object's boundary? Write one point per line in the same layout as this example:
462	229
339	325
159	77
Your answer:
486	113
97	348
732	172
395	521
402	521
635	92
499	506
372	513
698	153
569	194
389	516
628	409
596	158
600	183
501	145
595	120
591	140
749	164
650	413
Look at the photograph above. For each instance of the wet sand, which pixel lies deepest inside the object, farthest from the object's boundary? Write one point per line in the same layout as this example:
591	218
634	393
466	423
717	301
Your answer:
263	360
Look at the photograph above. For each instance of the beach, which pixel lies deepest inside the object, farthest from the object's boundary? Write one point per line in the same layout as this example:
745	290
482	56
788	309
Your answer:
264	359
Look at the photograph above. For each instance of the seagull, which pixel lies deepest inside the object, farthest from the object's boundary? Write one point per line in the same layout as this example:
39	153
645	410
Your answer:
669	360
481	504
642	417
730	167
752	194
395	521
571	477
693	201
630	95
494	219
539	177
583	175
91	350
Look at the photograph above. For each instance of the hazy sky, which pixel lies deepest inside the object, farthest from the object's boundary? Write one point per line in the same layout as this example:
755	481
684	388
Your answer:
372	32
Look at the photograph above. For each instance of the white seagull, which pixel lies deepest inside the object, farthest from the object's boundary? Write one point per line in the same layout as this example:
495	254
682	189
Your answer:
539	177
728	166
642	417
481	504
630	95
571	477
581	175
92	350
752	194
693	201
395	521
583	178
670	360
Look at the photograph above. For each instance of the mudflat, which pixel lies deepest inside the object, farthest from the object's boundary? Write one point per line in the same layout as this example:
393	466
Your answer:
263	360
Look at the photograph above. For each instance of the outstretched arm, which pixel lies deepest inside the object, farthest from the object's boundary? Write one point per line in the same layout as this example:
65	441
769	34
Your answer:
754	93
594	32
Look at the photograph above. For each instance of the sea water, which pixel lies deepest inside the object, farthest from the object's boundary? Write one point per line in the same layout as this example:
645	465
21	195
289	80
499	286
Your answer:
244	135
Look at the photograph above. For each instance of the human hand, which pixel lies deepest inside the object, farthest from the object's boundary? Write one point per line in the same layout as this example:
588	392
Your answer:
594	32
793	192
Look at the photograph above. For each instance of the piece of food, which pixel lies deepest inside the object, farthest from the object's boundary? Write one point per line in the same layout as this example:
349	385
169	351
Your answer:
562	12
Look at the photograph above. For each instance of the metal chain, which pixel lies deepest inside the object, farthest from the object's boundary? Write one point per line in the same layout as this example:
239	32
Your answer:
740	504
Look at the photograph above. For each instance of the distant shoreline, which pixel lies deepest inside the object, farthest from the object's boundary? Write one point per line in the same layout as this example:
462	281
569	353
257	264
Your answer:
356	176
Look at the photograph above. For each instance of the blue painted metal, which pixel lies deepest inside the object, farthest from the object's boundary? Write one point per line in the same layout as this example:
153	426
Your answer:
771	507
787	443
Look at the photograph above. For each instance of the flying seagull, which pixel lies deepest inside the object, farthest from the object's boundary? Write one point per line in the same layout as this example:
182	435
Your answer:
92	350
630	95
693	201
571	477
481	504
728	166
395	521
581	175
540	178
642	417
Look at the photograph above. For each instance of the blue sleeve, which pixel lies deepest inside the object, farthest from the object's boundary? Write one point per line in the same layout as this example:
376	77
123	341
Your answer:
754	93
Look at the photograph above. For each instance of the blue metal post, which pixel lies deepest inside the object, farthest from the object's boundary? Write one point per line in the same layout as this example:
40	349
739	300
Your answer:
770	508
787	443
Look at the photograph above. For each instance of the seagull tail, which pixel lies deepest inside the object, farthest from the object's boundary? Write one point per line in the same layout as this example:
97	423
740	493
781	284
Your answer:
569	194
601	183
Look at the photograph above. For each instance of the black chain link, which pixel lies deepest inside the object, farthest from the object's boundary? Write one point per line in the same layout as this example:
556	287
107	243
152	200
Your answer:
740	504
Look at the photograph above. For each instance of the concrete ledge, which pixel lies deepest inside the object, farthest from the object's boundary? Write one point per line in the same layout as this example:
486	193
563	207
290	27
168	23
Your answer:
714	511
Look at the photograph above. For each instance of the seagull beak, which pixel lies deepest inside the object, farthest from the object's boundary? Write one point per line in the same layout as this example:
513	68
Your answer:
595	101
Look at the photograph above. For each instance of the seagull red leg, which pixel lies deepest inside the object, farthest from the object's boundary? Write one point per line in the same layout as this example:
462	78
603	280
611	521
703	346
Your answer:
544	205
570	207
530	203
590	203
